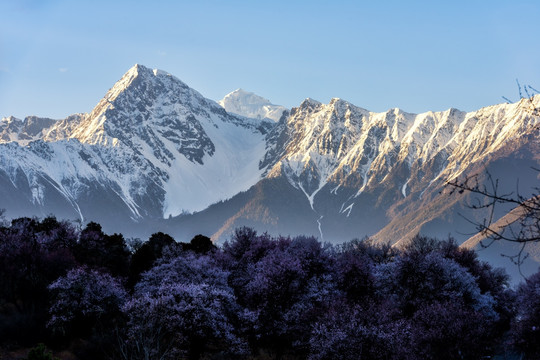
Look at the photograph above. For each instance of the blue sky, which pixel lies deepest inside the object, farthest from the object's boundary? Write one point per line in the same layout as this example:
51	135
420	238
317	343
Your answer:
60	57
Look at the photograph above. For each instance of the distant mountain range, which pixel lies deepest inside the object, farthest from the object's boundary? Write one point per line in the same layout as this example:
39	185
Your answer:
155	154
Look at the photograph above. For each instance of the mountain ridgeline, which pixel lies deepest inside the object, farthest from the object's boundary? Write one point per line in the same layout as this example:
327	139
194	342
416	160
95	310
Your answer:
155	155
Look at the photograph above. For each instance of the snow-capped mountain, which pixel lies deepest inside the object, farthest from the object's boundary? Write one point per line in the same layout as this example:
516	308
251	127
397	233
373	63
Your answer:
339	144
151	148
381	174
155	155
248	104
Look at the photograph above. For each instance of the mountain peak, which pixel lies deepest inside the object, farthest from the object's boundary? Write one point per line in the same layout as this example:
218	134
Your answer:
339	102
310	103
137	100
247	97
241	91
136	67
146	82
11	119
138	70
127	79
251	105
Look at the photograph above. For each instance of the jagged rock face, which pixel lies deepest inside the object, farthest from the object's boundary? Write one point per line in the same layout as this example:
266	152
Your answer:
24	131
147	106
348	146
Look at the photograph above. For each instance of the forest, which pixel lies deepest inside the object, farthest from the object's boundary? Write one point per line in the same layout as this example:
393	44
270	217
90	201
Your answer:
73	292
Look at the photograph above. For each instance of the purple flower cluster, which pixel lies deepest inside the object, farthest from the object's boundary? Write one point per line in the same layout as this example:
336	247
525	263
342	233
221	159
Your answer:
257	295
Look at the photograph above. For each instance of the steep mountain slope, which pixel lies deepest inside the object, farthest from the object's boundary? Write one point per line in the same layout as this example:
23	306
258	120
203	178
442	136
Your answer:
150	149
174	128
248	104
382	174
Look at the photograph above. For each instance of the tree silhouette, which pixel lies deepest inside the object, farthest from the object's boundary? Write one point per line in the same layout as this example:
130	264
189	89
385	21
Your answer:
522	224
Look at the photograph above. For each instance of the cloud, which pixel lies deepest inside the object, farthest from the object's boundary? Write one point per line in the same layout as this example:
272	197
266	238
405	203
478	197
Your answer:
63	70
161	53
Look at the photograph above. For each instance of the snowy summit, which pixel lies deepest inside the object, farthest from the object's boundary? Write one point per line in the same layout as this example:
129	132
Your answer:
248	104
